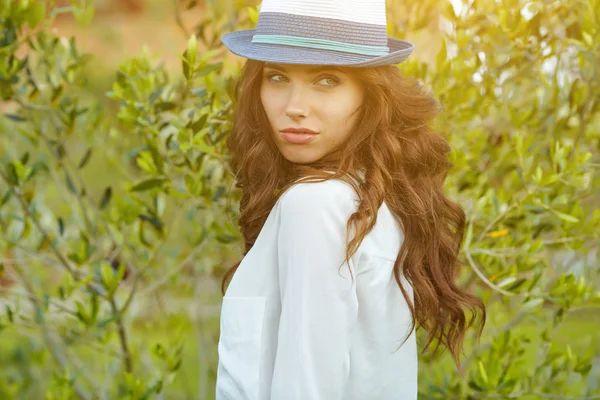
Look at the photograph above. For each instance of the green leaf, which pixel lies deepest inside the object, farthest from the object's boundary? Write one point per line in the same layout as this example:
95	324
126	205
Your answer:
56	93
517	284
9	313
106	321
36	14
61	226
15	117
200	92
165	106
185	65
566	217
156	157
190	4
442	55
174	366
537	176
483	373
13	177
159	351
583	367
6	197
148	184
121	272
70	184
546	335
24	158
108	277
253	14
106	196
221	190
469	235
508	385
192	47
506	281
533	303
208	69
225	238
142	236
81	312
198	125
475	386
85	158
84	15
156	222
207	55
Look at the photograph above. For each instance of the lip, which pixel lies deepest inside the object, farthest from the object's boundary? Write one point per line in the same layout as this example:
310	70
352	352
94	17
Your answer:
298	135
299	131
298	138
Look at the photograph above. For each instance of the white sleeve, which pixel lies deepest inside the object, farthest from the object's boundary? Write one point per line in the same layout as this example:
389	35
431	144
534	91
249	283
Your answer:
318	299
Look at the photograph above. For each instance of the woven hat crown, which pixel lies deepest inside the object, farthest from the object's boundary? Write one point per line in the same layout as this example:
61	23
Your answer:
335	32
354	26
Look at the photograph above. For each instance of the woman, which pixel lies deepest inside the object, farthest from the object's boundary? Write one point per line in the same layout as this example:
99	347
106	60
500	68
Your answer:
350	240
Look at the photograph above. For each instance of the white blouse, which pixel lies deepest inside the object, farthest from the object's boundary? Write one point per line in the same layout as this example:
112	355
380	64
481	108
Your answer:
294	328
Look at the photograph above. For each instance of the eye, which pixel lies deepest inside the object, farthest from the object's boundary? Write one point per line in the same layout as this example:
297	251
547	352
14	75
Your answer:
275	77
329	81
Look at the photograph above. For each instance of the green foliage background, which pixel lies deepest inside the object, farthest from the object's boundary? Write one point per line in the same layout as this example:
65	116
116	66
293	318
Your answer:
117	213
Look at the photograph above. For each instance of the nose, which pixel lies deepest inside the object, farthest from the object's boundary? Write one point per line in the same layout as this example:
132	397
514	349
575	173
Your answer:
297	106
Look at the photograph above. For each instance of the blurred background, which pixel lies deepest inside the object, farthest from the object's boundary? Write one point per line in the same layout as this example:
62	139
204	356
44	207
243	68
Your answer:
118	214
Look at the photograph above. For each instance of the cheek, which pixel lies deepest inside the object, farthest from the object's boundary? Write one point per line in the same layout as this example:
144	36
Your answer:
343	111
270	102
264	99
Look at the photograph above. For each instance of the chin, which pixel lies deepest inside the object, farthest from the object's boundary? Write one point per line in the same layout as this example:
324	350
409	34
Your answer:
300	158
299	153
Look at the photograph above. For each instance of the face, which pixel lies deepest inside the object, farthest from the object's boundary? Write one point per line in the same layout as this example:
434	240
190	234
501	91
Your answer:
311	109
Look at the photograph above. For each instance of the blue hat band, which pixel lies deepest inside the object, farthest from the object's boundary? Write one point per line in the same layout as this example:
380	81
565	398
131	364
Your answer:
323	44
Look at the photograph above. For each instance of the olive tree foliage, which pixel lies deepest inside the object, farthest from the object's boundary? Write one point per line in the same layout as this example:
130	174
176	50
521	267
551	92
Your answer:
104	200
519	83
107	199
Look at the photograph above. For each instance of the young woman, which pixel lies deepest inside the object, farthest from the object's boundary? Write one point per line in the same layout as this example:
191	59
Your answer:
350	241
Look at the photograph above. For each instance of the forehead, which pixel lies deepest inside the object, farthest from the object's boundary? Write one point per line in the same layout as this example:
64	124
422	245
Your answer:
300	68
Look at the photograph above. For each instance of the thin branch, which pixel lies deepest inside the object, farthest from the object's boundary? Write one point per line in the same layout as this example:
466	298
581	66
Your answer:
495	221
179	20
533	393
48	144
122	336
59	356
496	252
482	276
567	239
18	293
511	324
92	345
24	205
202	348
35	256
177	269
138	274
80	199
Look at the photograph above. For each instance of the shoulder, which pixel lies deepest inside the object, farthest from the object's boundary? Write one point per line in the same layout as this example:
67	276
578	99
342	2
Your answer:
332	194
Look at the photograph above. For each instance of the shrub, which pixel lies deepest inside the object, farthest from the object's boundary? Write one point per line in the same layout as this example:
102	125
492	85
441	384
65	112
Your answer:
109	202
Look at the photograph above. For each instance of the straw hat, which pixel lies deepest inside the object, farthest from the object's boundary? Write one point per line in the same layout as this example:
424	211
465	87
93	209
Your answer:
325	32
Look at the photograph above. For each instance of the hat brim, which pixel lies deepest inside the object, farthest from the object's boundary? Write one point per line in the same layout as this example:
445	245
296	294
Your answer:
240	43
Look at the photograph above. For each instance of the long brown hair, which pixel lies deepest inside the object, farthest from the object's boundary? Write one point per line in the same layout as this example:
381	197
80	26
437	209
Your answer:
405	164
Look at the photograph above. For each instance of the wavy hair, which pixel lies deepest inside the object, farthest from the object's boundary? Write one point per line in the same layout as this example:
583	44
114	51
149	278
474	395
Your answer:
405	164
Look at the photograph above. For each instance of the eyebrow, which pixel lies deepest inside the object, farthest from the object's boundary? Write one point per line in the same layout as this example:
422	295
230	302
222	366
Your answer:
316	69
